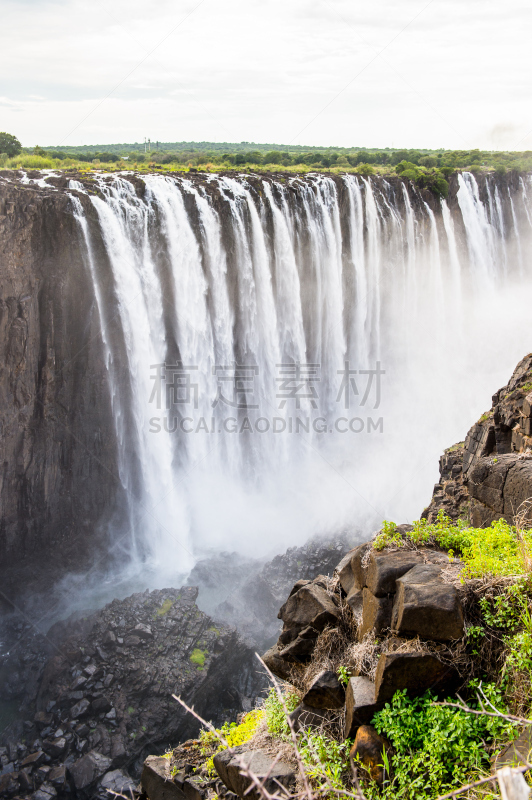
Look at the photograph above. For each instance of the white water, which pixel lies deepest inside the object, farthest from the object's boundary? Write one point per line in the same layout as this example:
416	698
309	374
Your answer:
305	272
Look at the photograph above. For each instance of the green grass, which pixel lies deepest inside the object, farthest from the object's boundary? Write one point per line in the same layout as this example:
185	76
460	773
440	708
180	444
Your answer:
497	551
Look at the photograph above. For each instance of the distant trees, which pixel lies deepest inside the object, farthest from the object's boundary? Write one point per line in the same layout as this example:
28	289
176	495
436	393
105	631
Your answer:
9	144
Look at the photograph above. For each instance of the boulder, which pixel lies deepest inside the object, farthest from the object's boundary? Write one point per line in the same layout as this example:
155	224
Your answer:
357	565
345	572
280	667
57	776
261	764
33	760
360	705
416	672
117	781
221	762
385	568
355	600
54	747
369	748
88	769
301	648
156	780
326	691
376	614
310	605
307	717
80	709
142	631
425	606
45	792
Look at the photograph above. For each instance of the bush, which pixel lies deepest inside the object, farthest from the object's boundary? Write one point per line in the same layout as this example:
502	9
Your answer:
365	169
275	716
436	748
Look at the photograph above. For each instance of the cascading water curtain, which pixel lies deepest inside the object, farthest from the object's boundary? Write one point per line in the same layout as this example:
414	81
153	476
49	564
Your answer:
290	357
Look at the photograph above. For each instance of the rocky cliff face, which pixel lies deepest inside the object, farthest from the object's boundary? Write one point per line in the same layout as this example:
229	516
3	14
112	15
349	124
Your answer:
489	475
95	695
58	460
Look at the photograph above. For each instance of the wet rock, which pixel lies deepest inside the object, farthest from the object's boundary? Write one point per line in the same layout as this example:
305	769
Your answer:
45	792
142	631
360	705
369	748
33	760
57	777
42	719
416	672
80	709
86	770
54	747
425	606
8	785
117	781
325	692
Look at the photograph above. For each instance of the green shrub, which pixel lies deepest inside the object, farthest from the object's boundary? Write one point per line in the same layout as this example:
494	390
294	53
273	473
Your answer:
275	715
498	550
326	761
365	169
436	748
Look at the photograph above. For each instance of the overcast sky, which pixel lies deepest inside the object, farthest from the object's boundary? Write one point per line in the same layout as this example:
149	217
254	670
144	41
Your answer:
388	73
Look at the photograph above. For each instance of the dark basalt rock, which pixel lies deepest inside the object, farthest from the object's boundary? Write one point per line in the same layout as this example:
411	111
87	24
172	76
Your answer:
385	568
376	614
86	770
277	775
415	672
490	474
326	692
121	702
425	606
309	605
305	716
360	705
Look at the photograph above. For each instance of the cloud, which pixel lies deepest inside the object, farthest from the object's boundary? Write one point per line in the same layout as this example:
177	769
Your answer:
436	75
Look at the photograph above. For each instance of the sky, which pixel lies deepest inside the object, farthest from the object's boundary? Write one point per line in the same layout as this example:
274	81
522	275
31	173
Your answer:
391	73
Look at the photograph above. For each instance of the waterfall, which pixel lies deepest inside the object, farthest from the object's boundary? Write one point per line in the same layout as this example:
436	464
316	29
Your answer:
283	354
